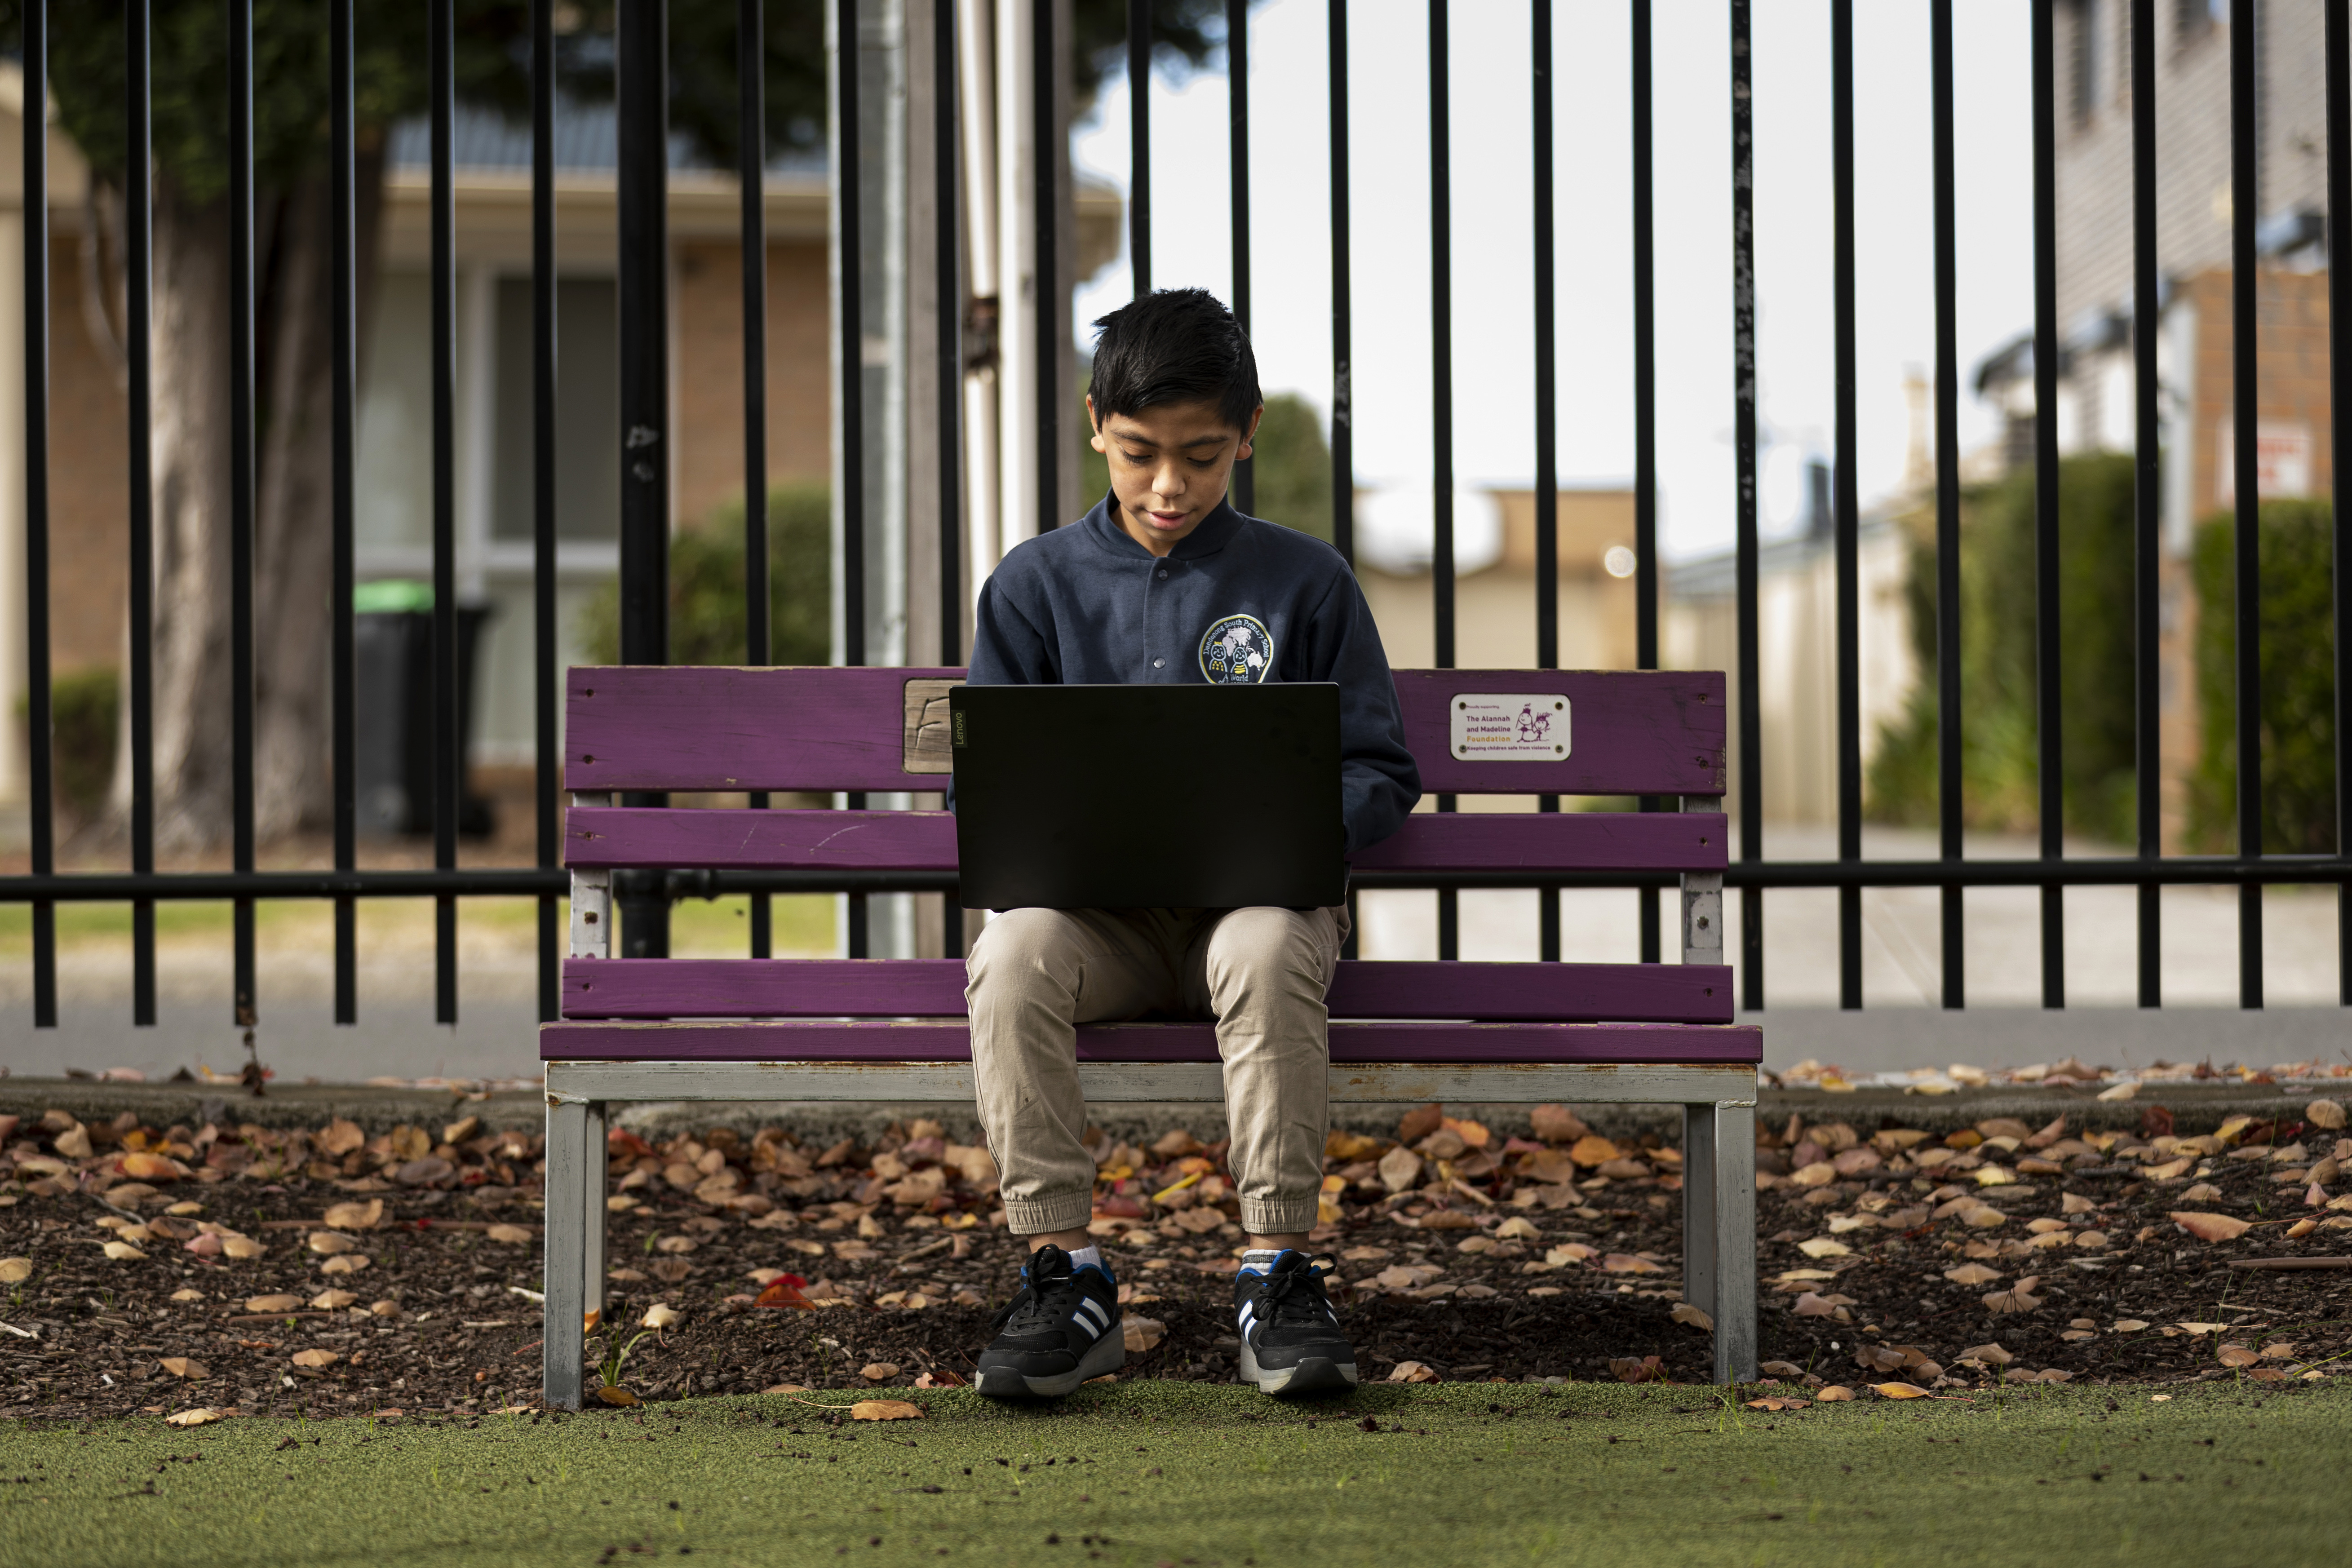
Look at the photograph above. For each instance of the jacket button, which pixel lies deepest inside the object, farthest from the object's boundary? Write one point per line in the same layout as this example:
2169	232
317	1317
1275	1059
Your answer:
1157	663
1163	572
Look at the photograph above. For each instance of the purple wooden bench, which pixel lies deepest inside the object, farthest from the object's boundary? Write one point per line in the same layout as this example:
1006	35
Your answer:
893	1029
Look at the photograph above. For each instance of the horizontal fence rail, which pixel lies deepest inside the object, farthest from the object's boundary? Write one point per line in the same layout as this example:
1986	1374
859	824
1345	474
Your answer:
1027	52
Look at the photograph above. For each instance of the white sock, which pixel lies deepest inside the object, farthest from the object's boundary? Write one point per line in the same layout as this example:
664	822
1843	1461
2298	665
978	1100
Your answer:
1260	1259
1081	1256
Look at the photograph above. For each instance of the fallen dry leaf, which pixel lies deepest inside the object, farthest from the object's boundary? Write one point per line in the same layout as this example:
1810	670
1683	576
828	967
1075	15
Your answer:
1647	1369
784	1290
15	1270
356	1216
661	1316
2324	1113
1696	1317
1900	1390
616	1396
2129	1325
314	1358
1776	1402
1410	1371
144	1167
180	1366
188	1295
1592	1149
1517	1228
1398	1169
2076	1203
237	1247
2211	1226
510	1235
1832	1393
1812	1304
1571	1252
1143	1333
878	1371
192	1418
1626	1263
273	1303
2018	1298
1823	1246
350	1263
786	1388
2236	1356
2092	1241
885	1409
1971	1274
122	1252
1991	1354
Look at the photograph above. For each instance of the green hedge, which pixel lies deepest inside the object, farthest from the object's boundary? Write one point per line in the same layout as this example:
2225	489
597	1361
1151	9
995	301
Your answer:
85	716
1998	764
706	586
2297	661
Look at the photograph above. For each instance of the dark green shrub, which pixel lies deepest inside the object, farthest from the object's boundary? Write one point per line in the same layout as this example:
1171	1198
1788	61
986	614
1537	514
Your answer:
1999	734
85	713
706	586
2297	663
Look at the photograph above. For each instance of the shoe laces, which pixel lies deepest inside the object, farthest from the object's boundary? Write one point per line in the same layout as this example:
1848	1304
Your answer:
1048	1282
1293	1293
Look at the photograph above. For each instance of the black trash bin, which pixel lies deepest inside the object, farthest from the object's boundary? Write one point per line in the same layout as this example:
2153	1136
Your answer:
392	704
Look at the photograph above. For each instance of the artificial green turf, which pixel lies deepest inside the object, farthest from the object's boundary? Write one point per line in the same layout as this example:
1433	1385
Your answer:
1151	1473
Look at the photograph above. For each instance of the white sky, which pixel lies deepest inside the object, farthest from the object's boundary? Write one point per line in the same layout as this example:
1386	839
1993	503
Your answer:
1493	168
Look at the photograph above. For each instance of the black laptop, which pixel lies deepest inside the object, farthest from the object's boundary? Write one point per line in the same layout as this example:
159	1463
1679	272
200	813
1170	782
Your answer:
1205	796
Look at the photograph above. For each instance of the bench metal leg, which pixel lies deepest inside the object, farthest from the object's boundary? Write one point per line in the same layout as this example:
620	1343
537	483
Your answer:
567	1276
1719	1229
592	1175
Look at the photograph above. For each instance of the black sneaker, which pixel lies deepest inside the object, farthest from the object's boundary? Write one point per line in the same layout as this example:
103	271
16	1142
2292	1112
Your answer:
1291	1342
1061	1329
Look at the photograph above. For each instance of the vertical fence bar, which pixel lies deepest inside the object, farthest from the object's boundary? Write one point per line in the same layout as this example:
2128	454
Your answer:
1245	479
850	261
548	776
1052	146
241	485
1743	361
1949	800
2245	193
1845	503
1547	418
641	70
138	342
2339	381
343	417
1441	333
1138	133
1645	415
2147	498
1343	433
42	802
2045	497
751	182
448	758
947	228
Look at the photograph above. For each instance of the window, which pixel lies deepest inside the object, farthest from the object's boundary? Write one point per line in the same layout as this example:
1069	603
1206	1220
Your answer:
587	411
2090	58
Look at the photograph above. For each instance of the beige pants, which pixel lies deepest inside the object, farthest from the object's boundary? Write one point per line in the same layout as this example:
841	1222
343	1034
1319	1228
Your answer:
1036	974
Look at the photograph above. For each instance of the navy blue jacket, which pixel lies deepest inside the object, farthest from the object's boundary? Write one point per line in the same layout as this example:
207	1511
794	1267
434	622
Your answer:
1236	600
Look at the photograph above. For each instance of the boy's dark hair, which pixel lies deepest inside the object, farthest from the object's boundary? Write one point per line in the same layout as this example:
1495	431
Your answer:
1174	345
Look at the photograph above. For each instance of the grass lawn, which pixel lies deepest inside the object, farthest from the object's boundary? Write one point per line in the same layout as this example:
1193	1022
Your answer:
1146	1473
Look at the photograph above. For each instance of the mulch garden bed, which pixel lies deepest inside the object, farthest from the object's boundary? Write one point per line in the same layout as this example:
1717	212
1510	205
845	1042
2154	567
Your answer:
156	1270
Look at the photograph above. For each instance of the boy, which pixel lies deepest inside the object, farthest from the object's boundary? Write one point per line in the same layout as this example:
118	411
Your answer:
1163	581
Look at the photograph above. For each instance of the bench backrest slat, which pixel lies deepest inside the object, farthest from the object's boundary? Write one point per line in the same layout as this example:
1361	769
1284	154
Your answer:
706	728
884	988
926	841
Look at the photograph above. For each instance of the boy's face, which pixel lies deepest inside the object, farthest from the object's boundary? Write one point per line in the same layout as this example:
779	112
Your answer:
1169	466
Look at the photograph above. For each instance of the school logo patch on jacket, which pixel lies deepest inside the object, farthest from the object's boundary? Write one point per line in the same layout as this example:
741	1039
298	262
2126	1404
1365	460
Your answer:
1237	649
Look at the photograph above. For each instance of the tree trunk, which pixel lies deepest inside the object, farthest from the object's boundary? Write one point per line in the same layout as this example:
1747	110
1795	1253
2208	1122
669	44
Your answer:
191	456
294	531
294	518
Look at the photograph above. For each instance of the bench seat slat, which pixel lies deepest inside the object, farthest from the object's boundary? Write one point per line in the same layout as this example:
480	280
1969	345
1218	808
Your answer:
830	1041
934	987
599	837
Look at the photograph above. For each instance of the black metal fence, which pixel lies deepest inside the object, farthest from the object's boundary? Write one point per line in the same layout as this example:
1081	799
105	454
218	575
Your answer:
646	422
